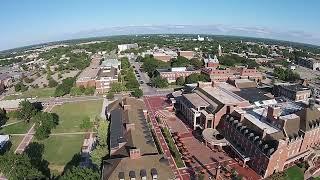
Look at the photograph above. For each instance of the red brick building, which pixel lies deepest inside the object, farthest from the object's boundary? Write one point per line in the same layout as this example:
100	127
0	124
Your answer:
172	74
271	139
186	54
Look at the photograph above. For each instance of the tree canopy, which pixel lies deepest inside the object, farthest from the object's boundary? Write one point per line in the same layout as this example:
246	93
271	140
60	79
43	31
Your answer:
194	78
44	123
159	82
26	111
286	74
77	173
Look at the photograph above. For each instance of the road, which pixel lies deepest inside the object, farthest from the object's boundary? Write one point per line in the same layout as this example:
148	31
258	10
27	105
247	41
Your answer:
147	90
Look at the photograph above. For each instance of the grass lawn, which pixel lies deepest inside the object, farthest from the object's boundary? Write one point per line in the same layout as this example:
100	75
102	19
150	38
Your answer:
41	92
59	150
72	114
294	173
19	128
15	141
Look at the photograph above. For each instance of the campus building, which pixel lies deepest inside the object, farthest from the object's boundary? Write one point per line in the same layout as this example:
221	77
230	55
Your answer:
207	103
310	63
99	75
123	47
295	92
171	74
272	138
133	153
186	54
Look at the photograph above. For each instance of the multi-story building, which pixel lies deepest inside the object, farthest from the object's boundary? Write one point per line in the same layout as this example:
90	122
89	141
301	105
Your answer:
133	153
123	47
99	75
310	63
270	139
172	74
204	107
295	92
217	74
186	54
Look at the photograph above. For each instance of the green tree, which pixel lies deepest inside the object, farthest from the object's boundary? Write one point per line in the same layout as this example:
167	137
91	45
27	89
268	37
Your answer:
110	95
35	152
125	63
52	83
20	87
86	123
196	63
75	91
103	129
159	82
26	111
18	166
89	91
97	155
194	78
117	87
77	173
180	61
3	116
180	81
137	93
44	123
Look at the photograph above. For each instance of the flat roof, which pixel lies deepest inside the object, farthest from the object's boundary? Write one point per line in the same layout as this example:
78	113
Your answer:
223	95
196	100
253	94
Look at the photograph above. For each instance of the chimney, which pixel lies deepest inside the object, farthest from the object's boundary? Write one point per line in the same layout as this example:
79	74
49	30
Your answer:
135	153
145	113
264	133
273	112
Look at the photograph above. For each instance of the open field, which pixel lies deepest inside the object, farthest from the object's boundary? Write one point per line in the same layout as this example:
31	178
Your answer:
294	173
15	141
59	150
41	92
19	128
72	114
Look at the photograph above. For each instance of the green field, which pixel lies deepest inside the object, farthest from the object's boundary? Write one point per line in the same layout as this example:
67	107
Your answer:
294	173
41	93
15	141
19	128
72	114
59	150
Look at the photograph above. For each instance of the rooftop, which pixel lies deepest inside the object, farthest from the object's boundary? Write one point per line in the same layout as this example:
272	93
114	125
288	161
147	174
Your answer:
222	95
196	100
112	168
253	94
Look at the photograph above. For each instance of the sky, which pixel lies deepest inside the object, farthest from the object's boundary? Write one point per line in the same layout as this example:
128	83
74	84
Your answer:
26	22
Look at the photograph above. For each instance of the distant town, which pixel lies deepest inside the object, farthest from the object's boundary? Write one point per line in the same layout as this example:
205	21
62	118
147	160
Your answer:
162	106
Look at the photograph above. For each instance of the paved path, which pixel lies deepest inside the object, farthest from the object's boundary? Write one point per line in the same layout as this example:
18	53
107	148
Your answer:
10	124
162	142
28	137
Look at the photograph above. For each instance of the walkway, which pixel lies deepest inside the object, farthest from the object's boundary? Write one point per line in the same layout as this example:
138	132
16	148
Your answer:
162	141
10	124
28	137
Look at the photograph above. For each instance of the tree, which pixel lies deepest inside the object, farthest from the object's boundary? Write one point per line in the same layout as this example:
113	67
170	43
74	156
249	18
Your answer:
65	87
194	78
77	173
3	116
196	63
75	91
20	87
97	155
18	166
117	87
159	82
180	81
137	93
86	123
52	83
35	152
110	95
45	122
125	63
103	129
26	110
89	91
180	61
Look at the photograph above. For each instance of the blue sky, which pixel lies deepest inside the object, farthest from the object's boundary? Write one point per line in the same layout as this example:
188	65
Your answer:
26	22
